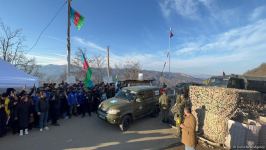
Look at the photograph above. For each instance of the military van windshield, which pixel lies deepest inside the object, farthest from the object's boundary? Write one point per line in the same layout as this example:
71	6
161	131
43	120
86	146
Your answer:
126	94
218	82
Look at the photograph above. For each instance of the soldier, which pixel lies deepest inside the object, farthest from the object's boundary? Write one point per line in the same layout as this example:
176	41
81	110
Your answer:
164	106
182	101
178	114
181	105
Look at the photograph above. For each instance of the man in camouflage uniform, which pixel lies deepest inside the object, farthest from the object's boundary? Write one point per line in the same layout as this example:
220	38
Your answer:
182	100
178	111
164	106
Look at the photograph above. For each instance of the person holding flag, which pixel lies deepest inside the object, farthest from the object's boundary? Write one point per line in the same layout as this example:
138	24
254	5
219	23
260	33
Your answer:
87	81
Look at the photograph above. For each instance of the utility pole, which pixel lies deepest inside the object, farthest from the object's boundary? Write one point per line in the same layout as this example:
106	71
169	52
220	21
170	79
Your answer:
68	39
108	63
169	49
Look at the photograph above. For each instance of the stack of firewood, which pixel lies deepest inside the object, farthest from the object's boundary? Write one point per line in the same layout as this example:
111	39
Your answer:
214	106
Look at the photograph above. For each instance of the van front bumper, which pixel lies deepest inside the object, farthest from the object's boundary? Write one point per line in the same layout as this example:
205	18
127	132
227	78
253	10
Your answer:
110	118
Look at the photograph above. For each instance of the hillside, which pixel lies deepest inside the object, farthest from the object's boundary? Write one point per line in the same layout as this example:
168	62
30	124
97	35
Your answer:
257	72
54	73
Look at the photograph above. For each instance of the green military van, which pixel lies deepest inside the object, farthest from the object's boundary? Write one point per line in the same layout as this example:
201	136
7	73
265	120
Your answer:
130	103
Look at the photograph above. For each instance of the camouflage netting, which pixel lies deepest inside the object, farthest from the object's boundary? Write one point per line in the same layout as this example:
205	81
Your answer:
214	106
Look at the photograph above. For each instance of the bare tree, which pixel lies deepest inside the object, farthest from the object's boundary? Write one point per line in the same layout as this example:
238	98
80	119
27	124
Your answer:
77	60
39	74
11	49
131	70
77	65
98	62
118	73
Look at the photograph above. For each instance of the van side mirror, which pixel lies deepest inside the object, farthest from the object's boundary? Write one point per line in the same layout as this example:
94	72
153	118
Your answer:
138	100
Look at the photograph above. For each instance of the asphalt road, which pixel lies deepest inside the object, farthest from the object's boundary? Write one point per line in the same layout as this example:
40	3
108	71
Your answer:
91	133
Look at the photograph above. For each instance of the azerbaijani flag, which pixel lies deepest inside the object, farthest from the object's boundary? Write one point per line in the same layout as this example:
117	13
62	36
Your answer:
87	80
77	19
85	63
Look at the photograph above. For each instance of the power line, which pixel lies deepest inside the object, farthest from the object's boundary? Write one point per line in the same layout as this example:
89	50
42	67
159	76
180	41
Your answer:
50	22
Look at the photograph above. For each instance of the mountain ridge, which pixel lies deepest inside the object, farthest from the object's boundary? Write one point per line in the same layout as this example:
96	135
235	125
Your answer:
259	71
54	72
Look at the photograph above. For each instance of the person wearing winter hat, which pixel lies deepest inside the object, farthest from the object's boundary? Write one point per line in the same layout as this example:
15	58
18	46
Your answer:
13	122
23	114
42	108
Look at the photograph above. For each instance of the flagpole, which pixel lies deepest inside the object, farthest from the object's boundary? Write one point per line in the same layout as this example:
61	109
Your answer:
108	64
163	68
169	48
68	39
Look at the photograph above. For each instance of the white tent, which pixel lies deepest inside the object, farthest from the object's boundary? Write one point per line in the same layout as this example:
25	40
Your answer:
11	77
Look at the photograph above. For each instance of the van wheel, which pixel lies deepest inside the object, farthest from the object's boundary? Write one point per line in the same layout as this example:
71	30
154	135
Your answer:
125	123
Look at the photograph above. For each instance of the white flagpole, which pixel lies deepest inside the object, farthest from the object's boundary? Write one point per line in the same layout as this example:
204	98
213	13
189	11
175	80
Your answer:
108	64
169	47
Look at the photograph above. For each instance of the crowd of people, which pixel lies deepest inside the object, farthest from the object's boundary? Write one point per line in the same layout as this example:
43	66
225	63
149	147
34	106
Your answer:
22	111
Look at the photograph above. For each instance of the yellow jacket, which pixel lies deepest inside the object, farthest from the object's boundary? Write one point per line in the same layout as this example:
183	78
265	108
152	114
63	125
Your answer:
164	101
7	101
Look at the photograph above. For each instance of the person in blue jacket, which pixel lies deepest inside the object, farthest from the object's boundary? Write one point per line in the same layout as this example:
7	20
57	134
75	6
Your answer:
35	100
72	102
82	102
48	95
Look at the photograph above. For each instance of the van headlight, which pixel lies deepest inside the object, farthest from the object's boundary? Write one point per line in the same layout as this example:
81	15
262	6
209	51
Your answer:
113	111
